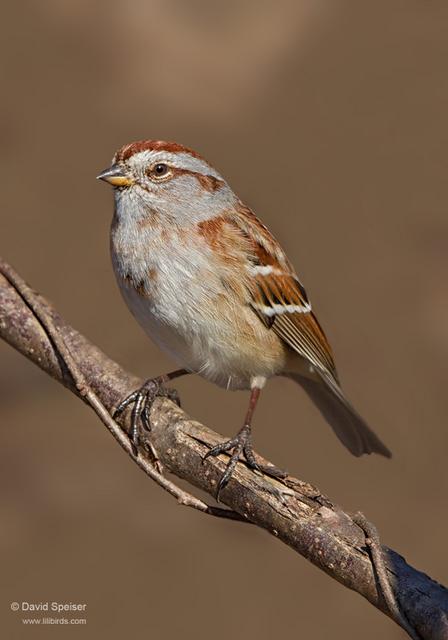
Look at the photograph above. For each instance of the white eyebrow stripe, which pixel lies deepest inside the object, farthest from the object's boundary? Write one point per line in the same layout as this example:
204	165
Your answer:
264	270
179	159
279	309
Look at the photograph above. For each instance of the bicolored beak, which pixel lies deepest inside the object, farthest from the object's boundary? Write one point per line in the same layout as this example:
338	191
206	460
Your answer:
116	177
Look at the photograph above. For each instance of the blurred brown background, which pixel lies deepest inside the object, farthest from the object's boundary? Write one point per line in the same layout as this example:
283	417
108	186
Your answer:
330	120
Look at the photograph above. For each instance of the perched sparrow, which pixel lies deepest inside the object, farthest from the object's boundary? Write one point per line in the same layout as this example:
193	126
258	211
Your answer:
211	286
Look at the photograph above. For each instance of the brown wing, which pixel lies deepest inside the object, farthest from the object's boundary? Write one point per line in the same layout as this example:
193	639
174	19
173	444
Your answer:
280	299
259	273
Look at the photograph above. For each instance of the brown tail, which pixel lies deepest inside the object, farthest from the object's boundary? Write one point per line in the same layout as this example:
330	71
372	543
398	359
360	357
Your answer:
347	424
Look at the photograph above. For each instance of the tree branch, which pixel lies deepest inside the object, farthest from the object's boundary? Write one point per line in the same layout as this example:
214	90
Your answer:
292	510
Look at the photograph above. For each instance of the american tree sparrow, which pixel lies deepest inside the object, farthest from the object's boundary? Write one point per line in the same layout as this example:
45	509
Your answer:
211	286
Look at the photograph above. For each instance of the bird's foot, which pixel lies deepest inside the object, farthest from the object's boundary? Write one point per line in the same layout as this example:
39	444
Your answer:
141	401
241	444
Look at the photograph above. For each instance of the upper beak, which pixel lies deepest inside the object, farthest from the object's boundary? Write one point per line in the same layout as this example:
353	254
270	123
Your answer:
115	176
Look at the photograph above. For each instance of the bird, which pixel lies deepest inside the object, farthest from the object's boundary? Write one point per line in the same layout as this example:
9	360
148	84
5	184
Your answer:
213	288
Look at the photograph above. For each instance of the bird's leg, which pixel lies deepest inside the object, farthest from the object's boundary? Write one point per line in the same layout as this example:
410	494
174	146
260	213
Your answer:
242	444
142	399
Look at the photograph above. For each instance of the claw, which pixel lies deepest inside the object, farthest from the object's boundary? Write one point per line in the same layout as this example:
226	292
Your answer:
124	403
142	400
240	444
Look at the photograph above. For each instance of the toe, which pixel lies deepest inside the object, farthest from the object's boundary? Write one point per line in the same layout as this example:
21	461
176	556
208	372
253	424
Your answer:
227	474
212	453
124	403
145	418
272	471
220	448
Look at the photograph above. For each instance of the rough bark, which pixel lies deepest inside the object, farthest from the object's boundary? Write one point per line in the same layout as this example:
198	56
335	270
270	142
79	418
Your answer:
292	510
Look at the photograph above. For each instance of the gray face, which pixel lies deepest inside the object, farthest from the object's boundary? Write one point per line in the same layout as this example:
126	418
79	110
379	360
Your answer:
178	186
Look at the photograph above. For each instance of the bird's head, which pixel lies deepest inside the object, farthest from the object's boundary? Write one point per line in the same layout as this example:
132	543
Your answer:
166	178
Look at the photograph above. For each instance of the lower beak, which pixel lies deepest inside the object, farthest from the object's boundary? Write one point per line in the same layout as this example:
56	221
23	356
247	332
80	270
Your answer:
115	176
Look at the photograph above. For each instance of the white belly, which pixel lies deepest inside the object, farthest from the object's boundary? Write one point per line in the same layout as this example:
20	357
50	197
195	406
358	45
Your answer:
169	337
212	347
186	310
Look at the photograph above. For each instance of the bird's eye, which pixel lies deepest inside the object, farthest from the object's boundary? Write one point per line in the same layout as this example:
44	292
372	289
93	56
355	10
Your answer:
159	170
